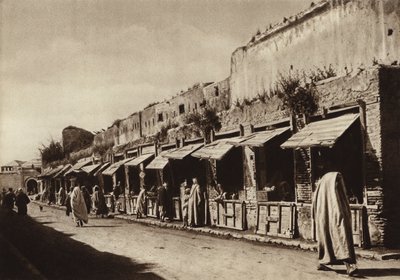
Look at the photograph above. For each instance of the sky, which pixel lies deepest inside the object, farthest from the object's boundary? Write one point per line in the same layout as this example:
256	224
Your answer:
88	63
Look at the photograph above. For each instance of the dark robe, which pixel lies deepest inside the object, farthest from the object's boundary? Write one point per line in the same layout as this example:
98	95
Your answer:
9	200
100	203
162	197
332	214
87	198
22	201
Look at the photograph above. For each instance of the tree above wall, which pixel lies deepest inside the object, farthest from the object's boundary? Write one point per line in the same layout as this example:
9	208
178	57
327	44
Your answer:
206	121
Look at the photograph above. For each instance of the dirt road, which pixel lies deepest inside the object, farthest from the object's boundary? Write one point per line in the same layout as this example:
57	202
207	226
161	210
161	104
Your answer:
117	249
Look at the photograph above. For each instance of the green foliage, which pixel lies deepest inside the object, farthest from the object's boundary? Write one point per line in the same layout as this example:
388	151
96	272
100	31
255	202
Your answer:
163	133
52	152
297	98
206	121
101	149
322	73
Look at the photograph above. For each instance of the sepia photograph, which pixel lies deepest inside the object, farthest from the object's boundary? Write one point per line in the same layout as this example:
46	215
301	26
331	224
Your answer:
199	139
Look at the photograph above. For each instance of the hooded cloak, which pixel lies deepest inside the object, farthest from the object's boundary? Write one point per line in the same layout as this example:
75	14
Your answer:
333	220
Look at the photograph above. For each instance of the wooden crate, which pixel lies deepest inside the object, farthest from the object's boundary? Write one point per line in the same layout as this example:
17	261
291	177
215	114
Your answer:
231	214
357	224
151	206
131	202
177	210
276	219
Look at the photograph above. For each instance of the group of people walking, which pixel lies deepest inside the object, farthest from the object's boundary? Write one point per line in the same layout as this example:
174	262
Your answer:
80	202
9	199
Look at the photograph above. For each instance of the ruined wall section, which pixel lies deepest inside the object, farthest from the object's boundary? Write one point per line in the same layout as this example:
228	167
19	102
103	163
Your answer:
344	34
129	129
218	95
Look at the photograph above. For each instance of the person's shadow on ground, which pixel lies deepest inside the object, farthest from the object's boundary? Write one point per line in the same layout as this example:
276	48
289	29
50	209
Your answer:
57	256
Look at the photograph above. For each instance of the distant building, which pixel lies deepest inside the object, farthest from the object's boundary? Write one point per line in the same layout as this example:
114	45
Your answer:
21	174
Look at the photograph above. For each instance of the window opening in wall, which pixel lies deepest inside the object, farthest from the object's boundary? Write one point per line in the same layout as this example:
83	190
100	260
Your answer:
174	114
181	109
195	106
160	117
390	32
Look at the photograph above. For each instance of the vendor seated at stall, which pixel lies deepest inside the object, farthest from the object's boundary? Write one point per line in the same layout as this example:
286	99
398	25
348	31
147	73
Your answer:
222	194
279	192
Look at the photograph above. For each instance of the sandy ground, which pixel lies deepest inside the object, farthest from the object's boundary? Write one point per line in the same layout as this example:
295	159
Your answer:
115	249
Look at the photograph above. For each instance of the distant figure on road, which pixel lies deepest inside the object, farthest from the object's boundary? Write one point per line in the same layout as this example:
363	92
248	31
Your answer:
62	195
333	223
9	200
195	197
99	202
68	203
78	206
22	200
162	202
140	206
115	195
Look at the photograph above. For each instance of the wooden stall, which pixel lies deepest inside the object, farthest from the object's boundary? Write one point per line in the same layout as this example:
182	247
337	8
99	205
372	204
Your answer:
276	219
231	214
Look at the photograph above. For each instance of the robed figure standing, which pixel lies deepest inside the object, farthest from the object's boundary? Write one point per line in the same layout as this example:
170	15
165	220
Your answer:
195	198
78	206
332	214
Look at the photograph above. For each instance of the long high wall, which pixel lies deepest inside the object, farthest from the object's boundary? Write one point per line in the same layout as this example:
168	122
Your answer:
346	34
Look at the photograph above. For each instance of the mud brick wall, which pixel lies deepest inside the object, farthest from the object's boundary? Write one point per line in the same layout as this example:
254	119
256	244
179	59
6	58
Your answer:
389	82
303	175
304	221
11	180
345	34
218	95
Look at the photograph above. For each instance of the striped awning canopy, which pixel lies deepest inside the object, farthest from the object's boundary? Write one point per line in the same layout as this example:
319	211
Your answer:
115	166
323	133
137	161
182	152
259	139
216	150
159	162
90	169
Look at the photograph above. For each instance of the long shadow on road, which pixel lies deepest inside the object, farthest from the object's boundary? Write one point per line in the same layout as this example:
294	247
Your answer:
57	256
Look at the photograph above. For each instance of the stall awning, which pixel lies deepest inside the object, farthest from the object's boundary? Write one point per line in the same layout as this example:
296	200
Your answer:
55	170
102	168
236	140
183	152
323	133
62	171
77	166
259	139
114	167
44	172
90	169
160	161
216	150
137	161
